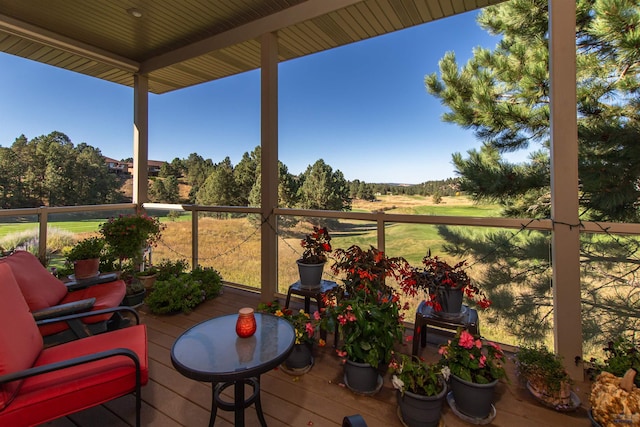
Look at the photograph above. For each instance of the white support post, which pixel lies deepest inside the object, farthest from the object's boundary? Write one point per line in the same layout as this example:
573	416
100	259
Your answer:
564	185
269	165
140	140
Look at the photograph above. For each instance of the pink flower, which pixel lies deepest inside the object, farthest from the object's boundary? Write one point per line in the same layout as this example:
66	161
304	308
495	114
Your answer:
478	344
442	351
309	328
466	340
316	315
483	361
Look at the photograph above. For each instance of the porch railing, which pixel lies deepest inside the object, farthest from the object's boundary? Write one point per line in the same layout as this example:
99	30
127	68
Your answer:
380	218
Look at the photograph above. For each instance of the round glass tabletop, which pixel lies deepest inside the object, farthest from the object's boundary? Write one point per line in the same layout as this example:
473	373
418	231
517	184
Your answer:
212	351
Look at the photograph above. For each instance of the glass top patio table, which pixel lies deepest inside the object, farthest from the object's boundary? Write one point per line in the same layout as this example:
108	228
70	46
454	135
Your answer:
211	351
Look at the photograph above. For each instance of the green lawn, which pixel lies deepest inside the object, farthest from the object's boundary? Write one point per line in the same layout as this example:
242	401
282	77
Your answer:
81	226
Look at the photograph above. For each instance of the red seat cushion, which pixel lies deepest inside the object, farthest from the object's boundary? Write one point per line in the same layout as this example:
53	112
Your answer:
107	295
39	287
56	394
20	341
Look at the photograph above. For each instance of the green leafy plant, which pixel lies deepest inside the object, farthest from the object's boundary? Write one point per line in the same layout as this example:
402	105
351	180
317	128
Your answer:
435	275
472	359
134	286
413	374
128	235
185	291
366	309
316	246
304	324
621	355
168	268
88	248
542	369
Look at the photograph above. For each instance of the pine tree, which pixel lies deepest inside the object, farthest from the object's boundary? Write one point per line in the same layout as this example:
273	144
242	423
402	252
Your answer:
503	96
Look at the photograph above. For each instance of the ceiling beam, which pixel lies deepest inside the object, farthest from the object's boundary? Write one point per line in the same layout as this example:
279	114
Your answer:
57	41
302	12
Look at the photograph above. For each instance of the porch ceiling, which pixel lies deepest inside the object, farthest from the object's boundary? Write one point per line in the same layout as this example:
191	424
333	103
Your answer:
187	42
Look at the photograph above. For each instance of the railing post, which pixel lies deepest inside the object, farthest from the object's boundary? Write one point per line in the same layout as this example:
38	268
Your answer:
380	221
567	306
194	238
43	218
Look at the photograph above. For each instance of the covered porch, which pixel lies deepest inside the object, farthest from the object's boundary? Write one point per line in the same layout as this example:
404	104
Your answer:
161	46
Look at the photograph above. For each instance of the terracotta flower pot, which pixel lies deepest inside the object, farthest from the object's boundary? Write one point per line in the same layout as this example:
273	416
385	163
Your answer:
86	268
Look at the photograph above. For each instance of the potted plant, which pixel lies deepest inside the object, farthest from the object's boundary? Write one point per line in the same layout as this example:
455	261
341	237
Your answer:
421	389
305	326
310	266
178	291
546	377
135	292
127	236
444	284
367	312
622	354
85	257
475	366
147	277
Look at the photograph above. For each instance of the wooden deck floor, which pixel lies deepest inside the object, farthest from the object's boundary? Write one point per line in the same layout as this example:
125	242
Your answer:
316	399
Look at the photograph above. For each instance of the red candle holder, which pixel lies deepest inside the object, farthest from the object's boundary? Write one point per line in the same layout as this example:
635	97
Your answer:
246	323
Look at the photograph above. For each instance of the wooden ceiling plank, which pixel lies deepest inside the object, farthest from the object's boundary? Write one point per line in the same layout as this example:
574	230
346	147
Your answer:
356	29
446	6
39	35
435	8
288	39
297	32
378	27
323	36
374	7
388	11
363	22
423	10
407	12
295	14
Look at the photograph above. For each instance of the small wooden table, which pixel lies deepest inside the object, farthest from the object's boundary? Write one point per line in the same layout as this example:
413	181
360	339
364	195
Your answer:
315	293
425	317
211	351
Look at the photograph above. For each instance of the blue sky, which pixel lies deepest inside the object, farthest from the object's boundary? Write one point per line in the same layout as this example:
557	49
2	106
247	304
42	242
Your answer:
362	108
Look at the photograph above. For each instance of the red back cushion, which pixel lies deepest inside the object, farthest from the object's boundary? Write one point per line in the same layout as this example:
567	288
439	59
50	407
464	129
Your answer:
39	287
20	339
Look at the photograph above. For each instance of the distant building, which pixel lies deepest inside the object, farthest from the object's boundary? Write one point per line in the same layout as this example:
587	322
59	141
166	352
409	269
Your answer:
126	168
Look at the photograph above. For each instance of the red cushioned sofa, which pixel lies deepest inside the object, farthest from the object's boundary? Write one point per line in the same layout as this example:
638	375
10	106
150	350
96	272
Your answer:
40	384
48	296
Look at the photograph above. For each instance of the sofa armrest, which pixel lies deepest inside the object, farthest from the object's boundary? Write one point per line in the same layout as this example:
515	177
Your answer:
74	362
66	318
64	309
83	283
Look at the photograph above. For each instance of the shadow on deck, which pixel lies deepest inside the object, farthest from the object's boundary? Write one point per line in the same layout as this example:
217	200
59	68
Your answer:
316	399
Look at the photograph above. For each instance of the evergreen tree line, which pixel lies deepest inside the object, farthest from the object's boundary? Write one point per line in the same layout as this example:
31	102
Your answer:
50	170
318	187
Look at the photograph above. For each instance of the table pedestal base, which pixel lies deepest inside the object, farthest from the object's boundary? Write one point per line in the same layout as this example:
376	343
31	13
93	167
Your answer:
240	403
